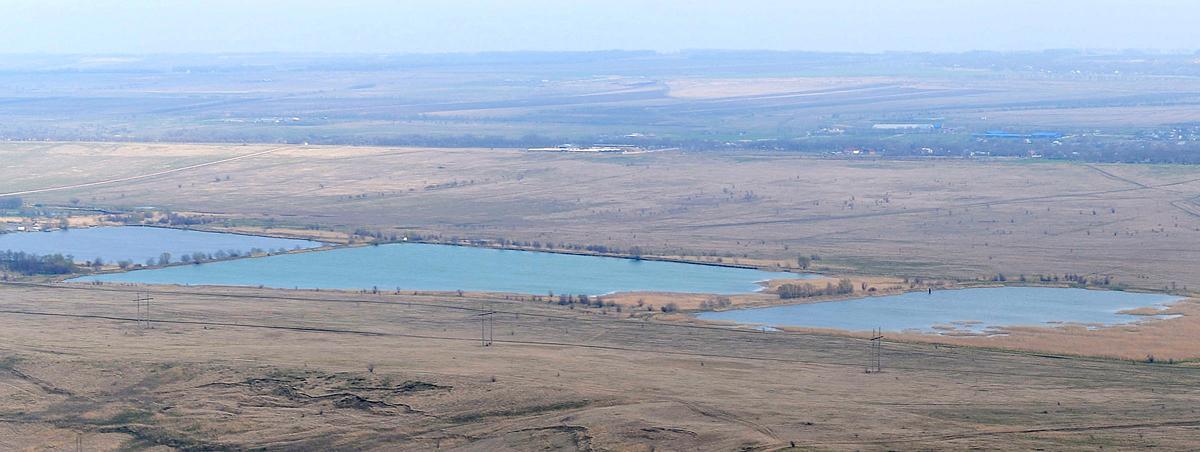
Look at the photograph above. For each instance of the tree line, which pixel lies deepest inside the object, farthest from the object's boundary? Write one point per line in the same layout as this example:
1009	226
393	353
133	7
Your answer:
10	203
33	264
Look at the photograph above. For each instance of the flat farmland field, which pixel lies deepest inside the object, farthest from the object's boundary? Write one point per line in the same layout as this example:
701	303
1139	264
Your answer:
970	219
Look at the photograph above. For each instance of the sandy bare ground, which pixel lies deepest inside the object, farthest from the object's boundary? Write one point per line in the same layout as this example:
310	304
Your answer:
244	368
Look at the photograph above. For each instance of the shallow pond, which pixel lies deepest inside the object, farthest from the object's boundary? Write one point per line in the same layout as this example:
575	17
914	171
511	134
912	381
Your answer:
413	266
139	244
974	310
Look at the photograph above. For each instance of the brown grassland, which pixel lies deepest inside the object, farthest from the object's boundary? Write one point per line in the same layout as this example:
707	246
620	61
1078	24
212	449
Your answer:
239	368
1139	224
245	368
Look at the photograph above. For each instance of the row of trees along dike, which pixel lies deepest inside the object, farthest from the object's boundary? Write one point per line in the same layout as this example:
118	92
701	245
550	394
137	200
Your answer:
636	252
1069	278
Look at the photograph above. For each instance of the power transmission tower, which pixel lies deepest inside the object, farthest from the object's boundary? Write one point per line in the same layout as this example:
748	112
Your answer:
487	328
874	360
143	310
487	324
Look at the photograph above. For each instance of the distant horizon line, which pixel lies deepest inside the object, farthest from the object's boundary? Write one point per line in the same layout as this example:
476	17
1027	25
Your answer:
1077	50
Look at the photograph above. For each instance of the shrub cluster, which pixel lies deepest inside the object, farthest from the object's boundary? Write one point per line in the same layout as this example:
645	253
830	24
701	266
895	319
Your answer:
806	290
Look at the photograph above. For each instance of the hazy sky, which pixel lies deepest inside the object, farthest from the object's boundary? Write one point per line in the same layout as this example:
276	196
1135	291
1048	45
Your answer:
376	26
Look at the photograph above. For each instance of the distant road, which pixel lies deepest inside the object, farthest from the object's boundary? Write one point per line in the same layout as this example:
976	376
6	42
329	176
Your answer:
142	176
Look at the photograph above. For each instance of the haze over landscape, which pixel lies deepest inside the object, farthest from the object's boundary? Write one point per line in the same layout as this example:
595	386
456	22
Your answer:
379	26
599	225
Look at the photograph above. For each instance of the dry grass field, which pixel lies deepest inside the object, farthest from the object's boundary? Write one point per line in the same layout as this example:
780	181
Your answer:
867	170
1139	224
236	368
245	369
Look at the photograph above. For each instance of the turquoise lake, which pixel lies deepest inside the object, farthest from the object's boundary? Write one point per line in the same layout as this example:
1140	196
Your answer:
975	310
139	244
413	266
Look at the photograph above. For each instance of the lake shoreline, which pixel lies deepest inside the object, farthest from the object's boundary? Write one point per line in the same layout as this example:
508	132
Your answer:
437	267
106	248
332	245
941	327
